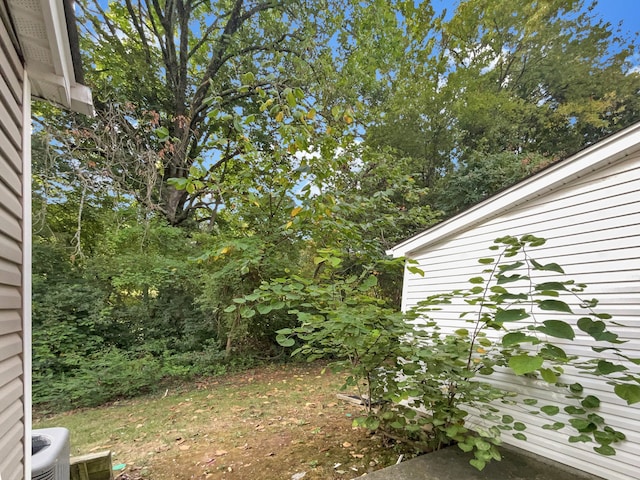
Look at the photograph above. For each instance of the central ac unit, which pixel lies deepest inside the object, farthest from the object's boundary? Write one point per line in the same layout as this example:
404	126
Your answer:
50	450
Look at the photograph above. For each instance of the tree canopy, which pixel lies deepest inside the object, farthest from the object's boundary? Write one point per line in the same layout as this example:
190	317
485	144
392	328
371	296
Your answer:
239	142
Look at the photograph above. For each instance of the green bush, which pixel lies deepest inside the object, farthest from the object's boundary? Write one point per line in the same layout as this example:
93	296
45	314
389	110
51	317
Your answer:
105	376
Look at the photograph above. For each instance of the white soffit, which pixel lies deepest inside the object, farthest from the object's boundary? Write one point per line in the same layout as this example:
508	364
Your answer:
44	40
610	150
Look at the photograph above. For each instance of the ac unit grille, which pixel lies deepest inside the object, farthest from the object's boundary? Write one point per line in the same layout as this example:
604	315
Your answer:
46	475
50	454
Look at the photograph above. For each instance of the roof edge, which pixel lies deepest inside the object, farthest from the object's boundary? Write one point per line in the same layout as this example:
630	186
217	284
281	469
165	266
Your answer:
607	151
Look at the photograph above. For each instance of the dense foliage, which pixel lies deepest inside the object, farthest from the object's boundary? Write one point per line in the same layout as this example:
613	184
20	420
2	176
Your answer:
242	149
433	387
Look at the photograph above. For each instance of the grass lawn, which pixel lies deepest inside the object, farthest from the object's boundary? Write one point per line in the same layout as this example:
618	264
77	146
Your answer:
274	422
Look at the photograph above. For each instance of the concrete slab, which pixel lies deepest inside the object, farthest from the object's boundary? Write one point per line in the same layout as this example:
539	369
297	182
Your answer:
453	464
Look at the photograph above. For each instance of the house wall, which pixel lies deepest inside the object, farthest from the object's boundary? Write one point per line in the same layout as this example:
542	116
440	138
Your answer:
592	227
12	222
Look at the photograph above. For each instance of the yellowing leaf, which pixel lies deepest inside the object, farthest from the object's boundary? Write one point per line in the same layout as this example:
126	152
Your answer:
296	211
280	116
481	350
288	225
225	250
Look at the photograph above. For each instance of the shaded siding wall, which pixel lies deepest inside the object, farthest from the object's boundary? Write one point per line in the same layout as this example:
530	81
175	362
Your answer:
12	428
592	227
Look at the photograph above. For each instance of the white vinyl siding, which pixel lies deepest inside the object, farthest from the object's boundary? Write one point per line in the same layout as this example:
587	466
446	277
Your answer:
592	226
12	391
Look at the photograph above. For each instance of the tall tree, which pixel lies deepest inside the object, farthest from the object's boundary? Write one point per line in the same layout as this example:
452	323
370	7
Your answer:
520	78
184	83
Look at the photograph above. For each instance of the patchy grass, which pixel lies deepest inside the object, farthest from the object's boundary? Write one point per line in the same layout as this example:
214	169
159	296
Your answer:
267	423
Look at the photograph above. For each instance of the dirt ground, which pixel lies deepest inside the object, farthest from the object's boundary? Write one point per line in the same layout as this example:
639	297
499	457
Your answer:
280	422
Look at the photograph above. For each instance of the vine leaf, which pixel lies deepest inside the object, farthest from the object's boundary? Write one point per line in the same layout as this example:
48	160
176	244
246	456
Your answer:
554	305
511	315
521	364
605	368
628	392
549	267
558	329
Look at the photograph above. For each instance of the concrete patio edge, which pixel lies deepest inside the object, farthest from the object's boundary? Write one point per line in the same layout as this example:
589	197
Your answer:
453	464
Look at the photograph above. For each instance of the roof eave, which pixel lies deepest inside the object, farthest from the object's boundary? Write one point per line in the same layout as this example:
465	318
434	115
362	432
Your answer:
607	151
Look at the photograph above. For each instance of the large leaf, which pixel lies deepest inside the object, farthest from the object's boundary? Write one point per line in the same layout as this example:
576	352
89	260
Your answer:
511	315
605	367
549	267
522	364
628	392
554	305
558	329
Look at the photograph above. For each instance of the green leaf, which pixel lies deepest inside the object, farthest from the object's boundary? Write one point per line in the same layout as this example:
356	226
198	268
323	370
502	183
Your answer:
263	308
553	352
605	367
557	328
520	436
285	341
465	447
554	305
554	426
476	280
550	286
510	266
605	450
628	392
416	270
486	261
576	388
502	279
519	426
573	410
512	315
549	267
530	401
522	364
513	338
550	410
582	425
590	402
462	332
230	309
507	419
548	375
477	463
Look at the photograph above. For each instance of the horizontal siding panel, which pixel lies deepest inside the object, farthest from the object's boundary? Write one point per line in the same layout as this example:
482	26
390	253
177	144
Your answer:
10	273
10	250
10	201
10	369
10	225
10	416
13	446
477	246
592	228
10	394
10	154
10	345
10	321
12	104
8	175
10	297
12	68
10	126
